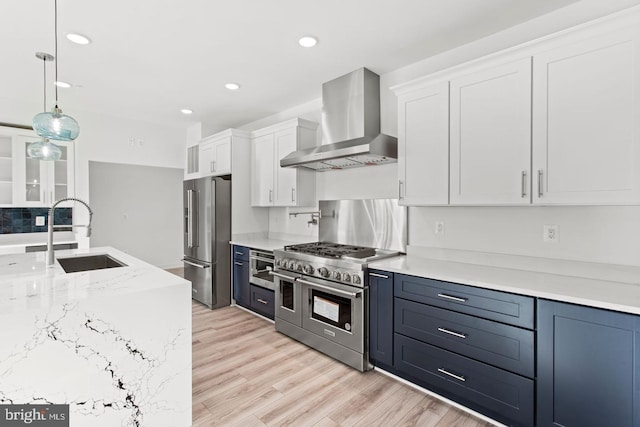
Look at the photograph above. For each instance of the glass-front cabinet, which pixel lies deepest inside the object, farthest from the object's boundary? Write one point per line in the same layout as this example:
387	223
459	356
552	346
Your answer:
30	182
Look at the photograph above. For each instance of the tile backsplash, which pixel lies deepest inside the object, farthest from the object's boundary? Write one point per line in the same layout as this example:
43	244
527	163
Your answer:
23	220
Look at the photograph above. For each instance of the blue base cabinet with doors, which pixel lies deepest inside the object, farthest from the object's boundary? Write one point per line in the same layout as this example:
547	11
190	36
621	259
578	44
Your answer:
381	319
241	290
588	366
489	350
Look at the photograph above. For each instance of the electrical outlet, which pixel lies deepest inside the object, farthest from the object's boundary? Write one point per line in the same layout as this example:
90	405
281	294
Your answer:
39	221
550	233
439	228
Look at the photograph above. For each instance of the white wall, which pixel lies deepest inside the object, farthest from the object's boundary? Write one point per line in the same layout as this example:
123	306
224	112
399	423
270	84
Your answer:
598	234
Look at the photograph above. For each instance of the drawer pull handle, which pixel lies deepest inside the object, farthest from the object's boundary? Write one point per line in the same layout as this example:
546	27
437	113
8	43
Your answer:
238	263
382	276
458	377
261	301
455	334
445	296
239	253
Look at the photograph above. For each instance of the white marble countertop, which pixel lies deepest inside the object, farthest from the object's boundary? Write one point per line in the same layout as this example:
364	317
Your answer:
612	295
26	282
263	243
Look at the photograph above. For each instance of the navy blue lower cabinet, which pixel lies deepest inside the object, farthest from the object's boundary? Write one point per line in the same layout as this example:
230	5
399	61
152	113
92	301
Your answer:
262	300
381	318
507	347
501	395
241	282
588	367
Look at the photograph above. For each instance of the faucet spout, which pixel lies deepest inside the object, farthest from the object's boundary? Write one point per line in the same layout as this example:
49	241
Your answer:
51	226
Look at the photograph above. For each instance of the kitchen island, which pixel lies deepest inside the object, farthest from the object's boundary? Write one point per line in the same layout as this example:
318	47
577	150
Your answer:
114	343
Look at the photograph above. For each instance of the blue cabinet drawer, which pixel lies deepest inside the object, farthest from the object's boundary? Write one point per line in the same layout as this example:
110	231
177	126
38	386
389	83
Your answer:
503	307
500	345
262	301
501	395
240	253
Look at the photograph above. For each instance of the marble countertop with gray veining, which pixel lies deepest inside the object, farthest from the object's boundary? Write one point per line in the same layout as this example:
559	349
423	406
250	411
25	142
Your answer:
27	283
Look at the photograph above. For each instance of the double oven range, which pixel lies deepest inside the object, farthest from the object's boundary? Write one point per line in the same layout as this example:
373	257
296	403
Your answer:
321	292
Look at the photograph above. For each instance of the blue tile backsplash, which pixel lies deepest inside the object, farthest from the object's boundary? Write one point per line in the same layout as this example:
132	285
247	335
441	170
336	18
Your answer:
23	220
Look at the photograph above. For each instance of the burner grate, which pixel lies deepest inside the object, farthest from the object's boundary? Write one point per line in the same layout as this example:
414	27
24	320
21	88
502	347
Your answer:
331	250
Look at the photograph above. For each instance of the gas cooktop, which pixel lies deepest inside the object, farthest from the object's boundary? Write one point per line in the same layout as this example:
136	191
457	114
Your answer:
332	250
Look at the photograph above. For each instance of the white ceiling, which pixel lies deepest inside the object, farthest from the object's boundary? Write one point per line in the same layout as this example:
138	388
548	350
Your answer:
150	58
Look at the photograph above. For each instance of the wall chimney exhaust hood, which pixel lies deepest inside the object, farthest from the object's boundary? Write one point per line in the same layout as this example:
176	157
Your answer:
350	127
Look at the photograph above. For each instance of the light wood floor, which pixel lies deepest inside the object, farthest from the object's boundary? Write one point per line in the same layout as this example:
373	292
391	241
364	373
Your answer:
247	374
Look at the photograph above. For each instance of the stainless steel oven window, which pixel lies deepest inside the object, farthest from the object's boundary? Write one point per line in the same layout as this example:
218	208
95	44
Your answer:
261	267
331	309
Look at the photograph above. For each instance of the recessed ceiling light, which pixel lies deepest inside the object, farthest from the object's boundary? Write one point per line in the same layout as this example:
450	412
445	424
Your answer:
186	111
62	84
78	38
232	86
308	41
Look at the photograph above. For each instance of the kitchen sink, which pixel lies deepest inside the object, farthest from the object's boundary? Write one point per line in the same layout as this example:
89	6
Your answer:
89	262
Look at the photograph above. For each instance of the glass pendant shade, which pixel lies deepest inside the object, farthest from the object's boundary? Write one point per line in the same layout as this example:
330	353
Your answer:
44	150
55	125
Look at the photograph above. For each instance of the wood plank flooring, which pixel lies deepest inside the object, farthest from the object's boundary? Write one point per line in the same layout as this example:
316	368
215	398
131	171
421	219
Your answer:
247	374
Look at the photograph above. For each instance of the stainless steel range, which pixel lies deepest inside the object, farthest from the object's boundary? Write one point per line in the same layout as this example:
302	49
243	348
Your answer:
322	289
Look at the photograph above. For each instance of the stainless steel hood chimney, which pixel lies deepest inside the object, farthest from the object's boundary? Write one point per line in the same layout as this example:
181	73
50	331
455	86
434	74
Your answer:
350	127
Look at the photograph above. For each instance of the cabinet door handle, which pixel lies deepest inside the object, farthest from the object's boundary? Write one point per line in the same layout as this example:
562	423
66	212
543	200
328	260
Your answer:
540	192
400	188
239	263
270	195
293	194
382	276
261	301
451	297
524	184
458	377
213	165
455	334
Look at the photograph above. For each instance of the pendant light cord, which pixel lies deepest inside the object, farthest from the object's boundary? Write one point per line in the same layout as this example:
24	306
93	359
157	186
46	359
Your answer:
55	3
44	82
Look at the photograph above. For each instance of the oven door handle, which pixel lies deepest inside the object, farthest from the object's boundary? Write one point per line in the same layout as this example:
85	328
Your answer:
330	289
269	260
282	276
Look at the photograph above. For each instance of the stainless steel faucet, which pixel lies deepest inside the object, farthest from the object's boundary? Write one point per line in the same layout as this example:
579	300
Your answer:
50	255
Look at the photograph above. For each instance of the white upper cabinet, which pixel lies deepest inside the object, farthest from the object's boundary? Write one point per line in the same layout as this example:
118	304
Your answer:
192	167
423	145
490	134
586	121
215	155
272	185
30	182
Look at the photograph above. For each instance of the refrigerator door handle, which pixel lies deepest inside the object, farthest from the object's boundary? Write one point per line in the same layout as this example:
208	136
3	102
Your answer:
194	264
192	219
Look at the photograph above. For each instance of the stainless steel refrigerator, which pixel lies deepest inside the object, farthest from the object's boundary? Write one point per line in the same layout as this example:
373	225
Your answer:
207	232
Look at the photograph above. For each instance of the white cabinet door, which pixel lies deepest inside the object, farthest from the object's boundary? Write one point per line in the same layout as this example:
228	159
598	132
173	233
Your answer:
40	183
7	166
262	170
586	122
215	157
423	146
192	166
285	178
222	161
491	136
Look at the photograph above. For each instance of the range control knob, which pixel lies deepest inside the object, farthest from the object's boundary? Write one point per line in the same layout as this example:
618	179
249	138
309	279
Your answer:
276	263
355	279
323	272
291	265
337	275
346	277
299	267
308	269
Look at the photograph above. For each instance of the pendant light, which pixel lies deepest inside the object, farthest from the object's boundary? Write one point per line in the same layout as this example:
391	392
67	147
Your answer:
44	150
55	125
